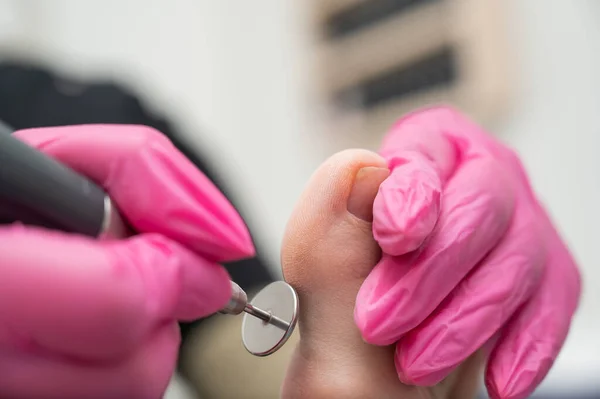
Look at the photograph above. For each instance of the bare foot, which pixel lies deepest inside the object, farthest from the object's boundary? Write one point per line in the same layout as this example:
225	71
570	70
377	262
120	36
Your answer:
327	252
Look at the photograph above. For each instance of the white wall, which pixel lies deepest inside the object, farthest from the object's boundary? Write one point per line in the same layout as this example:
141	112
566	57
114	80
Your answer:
556	128
232	73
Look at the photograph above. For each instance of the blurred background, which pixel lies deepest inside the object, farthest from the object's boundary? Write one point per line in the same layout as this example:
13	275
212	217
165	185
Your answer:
260	92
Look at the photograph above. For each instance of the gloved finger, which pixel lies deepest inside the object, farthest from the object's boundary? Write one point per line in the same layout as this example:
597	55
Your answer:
407	206
143	375
402	291
154	185
478	308
531	342
91	299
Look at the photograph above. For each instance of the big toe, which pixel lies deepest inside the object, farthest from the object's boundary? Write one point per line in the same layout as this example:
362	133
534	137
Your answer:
327	252
328	238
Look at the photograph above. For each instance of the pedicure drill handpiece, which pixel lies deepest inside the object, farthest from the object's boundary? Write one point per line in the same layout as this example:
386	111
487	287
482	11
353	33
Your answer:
36	189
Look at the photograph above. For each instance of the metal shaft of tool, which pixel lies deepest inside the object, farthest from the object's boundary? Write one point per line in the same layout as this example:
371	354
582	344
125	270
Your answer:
267	317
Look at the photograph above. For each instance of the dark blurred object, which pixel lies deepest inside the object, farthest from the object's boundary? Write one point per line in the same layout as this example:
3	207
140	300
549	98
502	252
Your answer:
378	59
435	70
34	96
361	14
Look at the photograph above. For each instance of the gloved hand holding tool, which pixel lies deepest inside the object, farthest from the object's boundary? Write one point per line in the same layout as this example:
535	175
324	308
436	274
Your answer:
88	318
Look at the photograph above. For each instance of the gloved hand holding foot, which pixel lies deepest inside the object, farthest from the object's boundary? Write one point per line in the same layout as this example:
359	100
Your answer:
470	260
461	268
327	253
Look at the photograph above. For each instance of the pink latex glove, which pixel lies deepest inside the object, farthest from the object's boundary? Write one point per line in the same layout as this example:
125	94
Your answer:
470	260
81	318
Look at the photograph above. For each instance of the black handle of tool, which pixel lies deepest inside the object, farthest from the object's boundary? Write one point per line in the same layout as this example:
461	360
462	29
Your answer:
36	189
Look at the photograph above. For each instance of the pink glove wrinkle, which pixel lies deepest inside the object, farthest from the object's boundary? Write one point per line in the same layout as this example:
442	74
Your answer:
98	319
469	257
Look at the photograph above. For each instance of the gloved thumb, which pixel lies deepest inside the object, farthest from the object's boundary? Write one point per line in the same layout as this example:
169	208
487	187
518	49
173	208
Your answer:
327	252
